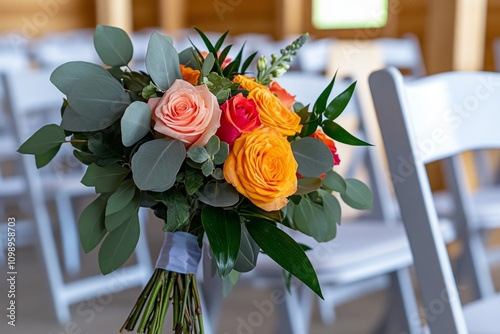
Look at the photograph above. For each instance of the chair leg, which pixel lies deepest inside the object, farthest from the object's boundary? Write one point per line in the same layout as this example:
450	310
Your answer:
295	314
69	234
403	316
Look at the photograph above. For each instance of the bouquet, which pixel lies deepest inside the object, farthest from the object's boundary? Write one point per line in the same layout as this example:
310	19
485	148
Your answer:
211	149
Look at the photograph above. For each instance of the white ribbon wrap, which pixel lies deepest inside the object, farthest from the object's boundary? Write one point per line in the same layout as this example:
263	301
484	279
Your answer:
179	253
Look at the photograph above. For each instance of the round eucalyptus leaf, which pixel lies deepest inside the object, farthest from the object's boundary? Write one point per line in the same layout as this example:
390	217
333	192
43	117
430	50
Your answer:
66	75
72	121
162	61
156	164
113	45
357	195
313	156
135	122
99	98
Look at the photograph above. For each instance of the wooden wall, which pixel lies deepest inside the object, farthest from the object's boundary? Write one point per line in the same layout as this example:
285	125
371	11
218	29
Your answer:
36	17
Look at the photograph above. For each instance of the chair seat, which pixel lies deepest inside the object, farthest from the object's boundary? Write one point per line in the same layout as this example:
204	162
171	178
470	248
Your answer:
485	202
482	315
359	250
12	187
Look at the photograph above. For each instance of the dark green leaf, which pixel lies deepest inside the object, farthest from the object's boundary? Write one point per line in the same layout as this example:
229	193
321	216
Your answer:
357	195
280	247
247	62
335	182
135	123
313	156
115	220
67	74
207	42
104	179
178	210
44	140
156	164
311	125
307	184
193	181
162	61
91	226
320	104
220	41
121	197
99	98
218	194
338	133
338	104
223	229
113	45
248	253
119	245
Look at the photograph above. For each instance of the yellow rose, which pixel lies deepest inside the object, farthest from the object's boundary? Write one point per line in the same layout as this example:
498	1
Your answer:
247	83
273	113
262	168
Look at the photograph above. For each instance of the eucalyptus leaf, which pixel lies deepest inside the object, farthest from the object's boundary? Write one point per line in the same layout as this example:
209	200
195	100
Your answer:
91	226
67	74
198	154
72	121
223	229
335	182
357	195
307	184
218	194
285	251
99	98
313	156
135	123
310	218
187	57
332	209
207	168
162	61
116	219
44	140
44	158
213	145
104	179
156	164
222	154
113	45
208	63
248	253
119	245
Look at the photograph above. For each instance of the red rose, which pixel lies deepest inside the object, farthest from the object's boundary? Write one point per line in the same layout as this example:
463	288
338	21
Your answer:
239	115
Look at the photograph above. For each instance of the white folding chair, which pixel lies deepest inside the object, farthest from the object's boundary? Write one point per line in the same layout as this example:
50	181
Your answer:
423	121
33	101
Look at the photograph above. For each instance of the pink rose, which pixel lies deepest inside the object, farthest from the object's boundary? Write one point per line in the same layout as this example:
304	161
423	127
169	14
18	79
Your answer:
185	112
239	115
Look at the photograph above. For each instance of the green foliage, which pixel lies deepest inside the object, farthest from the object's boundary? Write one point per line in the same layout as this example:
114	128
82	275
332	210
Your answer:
105	179
306	185
156	164
44	144
113	45
334	182
218	194
178	209
135	123
121	197
162	61
285	251
357	195
67	74
313	156
247	254
339	103
118	245
223	229
91	223
114	220
219	86
338	133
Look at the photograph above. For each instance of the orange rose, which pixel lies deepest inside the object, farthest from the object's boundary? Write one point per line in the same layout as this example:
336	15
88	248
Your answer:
190	75
262	168
285	97
273	113
247	83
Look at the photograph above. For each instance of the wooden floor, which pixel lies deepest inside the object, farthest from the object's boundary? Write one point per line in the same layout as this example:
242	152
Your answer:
105	315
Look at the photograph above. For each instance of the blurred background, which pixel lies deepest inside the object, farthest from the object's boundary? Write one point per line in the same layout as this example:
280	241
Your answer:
356	36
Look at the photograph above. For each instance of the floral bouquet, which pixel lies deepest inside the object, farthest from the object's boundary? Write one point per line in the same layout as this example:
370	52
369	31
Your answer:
212	151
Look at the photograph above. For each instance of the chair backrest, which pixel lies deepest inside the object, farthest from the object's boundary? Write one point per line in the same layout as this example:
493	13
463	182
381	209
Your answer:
426	120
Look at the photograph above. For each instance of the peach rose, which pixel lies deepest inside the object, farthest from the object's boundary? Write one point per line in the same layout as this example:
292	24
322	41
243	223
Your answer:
262	168
285	97
273	113
185	112
190	75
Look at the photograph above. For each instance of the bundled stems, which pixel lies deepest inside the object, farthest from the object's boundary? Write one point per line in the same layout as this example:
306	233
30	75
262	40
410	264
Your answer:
163	288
